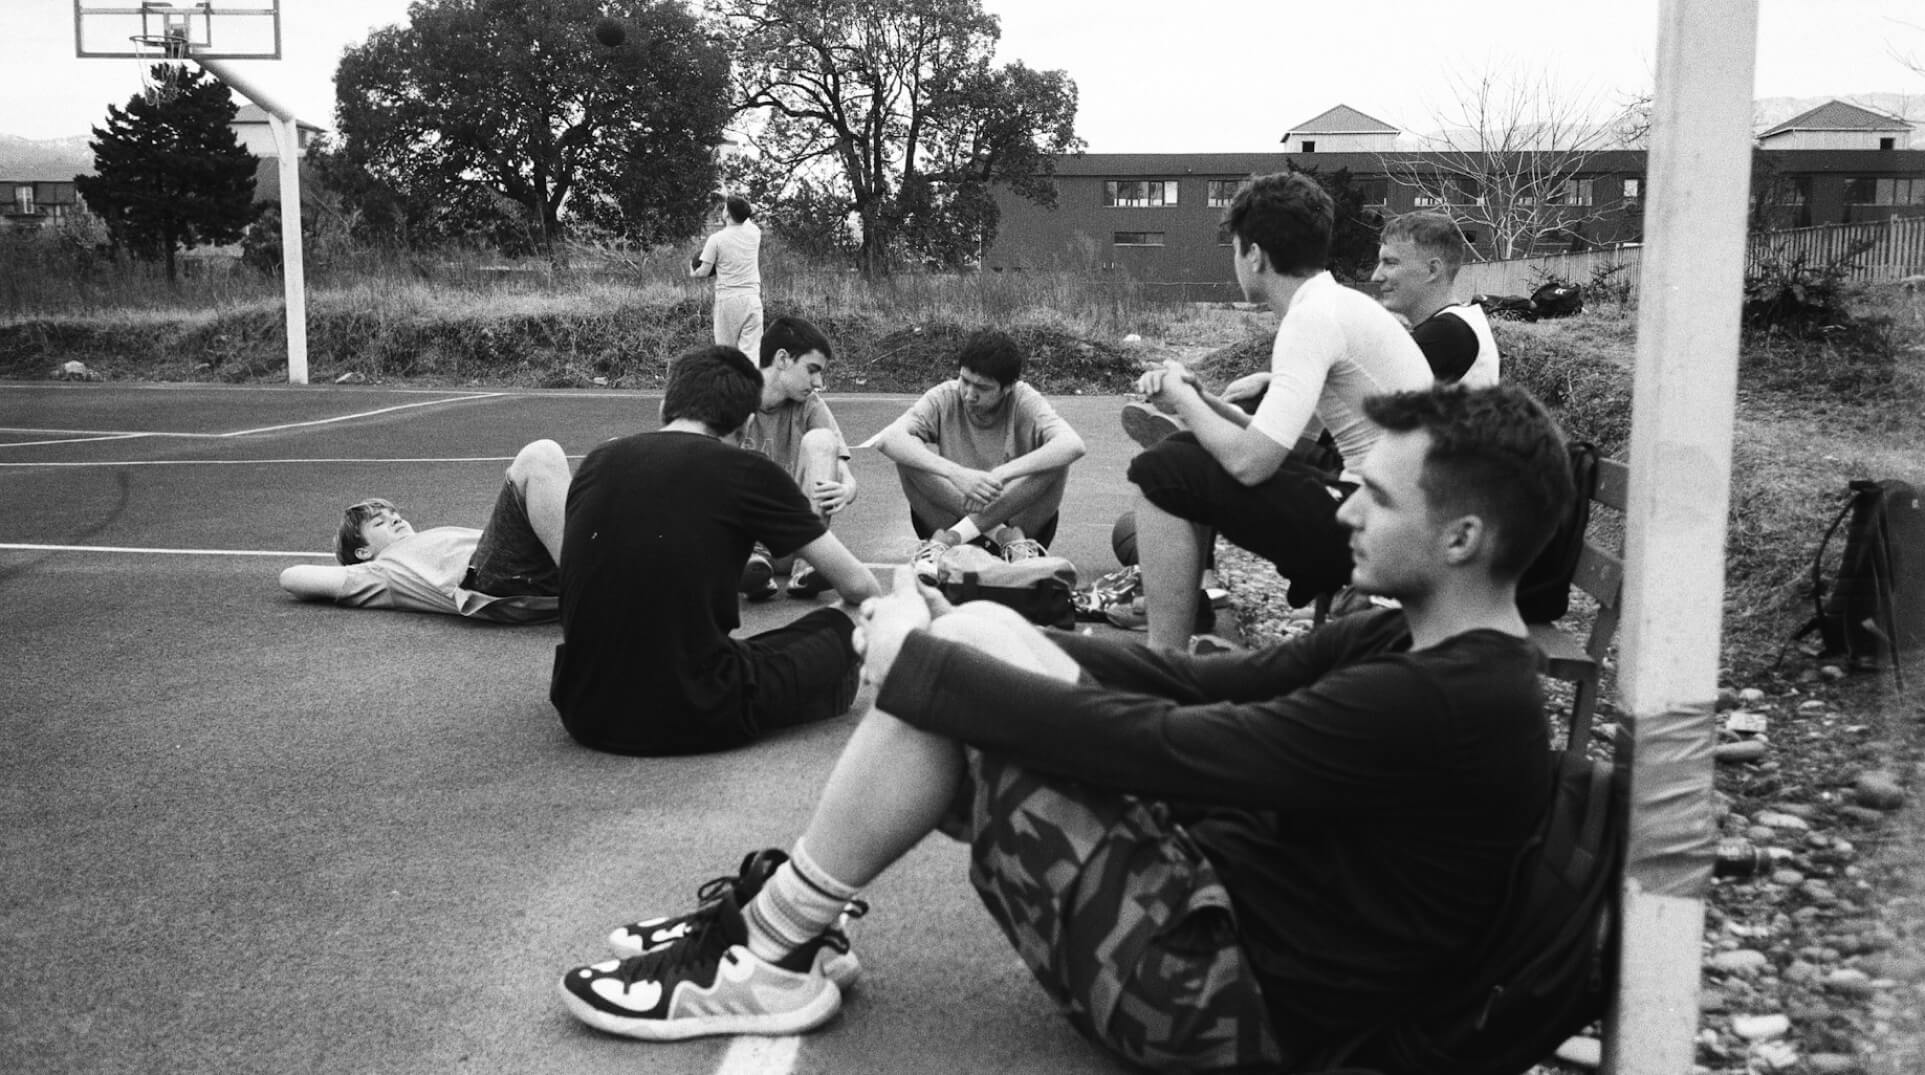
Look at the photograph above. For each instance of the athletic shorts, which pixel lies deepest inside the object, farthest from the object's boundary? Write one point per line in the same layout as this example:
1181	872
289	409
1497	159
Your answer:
1289	519
1119	916
801	672
509	560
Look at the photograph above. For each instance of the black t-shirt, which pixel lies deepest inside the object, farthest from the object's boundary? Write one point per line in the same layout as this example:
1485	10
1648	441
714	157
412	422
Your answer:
1448	344
658	526
1361	802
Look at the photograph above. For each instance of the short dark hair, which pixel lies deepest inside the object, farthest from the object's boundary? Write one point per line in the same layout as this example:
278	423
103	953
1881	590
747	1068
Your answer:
348	540
1289	215
992	354
738	207
794	335
1494	452
716	385
1435	234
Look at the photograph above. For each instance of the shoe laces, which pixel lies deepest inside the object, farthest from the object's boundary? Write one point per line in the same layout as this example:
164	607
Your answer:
1025	549
702	946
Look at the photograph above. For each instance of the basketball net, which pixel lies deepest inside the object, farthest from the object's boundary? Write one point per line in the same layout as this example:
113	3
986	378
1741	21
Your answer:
167	49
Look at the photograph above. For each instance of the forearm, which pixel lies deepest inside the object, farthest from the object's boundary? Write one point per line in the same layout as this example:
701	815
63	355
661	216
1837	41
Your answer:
906	450
1245	452
1055	454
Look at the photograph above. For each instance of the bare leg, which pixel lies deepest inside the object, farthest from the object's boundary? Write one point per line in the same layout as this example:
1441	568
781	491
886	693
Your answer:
893	782
1170	551
540	473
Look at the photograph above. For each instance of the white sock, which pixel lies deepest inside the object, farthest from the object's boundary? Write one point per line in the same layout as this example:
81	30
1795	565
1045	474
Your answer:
966	531
796	904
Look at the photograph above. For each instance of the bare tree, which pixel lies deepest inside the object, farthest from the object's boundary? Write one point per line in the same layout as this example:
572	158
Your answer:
1508	155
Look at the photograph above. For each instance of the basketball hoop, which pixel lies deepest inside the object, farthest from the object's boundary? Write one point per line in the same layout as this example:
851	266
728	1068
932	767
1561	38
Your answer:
171	48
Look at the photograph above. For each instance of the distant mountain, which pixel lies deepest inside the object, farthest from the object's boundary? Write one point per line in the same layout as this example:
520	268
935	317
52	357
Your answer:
52	158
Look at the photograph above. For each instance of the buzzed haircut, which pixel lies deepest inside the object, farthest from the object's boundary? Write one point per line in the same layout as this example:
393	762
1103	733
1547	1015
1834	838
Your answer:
738	208
1289	216
1495	453
993	354
1433	234
349	541
794	335
716	385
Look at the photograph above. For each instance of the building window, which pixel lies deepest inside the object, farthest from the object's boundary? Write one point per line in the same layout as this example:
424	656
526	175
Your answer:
1866	190
1570	192
1634	188
1138	238
23	199
1888	143
1456	191
1139	193
1221	192
1309	146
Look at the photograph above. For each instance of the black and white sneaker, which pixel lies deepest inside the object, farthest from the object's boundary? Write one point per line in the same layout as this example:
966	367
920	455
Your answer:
702	983
829	953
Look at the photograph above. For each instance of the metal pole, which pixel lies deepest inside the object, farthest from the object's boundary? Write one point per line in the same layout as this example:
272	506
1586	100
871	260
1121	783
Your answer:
287	143
1683	400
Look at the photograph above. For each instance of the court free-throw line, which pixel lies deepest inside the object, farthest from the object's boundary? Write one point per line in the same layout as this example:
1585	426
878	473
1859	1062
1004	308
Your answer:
752	1055
165	552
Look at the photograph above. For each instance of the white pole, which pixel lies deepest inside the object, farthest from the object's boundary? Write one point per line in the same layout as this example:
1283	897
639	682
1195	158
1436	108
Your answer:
1683	399
287	144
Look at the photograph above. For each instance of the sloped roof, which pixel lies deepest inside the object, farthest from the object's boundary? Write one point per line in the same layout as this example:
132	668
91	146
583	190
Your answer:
257	114
1839	116
1342	119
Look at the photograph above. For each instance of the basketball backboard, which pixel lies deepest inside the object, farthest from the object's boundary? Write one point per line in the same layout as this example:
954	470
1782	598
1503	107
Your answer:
205	29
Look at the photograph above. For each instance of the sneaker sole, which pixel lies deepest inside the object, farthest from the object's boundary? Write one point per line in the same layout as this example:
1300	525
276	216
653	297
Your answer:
1147	427
843	968
819	1010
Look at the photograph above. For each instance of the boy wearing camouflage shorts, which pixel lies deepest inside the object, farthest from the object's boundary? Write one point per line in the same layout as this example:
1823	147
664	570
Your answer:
1210	863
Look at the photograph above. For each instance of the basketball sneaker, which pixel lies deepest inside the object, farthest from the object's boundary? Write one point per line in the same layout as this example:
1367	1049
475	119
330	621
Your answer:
928	555
1013	545
1146	425
805	580
829	953
702	983
758	577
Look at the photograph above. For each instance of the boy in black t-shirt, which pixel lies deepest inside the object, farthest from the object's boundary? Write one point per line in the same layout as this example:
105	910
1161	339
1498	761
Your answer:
658	526
1209	863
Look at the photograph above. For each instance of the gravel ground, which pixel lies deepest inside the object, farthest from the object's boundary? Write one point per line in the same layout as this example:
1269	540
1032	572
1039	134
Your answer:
1815	964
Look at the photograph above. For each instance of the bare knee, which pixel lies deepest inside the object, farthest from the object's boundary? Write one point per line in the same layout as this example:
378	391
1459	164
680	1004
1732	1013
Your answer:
536	457
1003	633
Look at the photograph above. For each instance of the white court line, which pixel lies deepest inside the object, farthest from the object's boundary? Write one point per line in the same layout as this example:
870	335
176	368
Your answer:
167	552
362	414
70	440
751	1055
265	462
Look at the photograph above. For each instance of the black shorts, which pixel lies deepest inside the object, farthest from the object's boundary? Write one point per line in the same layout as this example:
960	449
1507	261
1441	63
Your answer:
1289	519
509	559
801	672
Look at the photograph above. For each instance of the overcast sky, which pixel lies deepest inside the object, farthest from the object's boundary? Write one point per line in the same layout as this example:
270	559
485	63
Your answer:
1153	75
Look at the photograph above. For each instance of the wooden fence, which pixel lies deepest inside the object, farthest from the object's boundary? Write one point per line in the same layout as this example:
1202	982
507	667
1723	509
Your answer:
1897	251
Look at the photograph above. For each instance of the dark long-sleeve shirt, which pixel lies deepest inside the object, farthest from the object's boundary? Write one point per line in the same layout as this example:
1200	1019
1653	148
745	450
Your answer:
1362	802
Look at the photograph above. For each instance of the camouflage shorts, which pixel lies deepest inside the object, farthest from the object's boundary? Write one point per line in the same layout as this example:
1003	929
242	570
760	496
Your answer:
1117	914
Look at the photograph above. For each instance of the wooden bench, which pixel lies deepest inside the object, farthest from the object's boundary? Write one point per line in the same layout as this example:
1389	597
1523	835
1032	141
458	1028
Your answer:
1600	573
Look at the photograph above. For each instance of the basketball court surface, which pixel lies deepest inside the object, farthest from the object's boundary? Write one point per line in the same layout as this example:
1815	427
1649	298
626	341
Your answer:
243	833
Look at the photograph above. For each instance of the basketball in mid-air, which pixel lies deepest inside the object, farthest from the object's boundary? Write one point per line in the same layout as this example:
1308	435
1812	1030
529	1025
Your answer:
609	31
1123	538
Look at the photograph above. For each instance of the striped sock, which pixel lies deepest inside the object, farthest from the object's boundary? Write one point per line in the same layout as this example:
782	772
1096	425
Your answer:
796	904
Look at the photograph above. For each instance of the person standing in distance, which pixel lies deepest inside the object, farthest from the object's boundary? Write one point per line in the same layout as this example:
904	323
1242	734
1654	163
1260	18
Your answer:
733	256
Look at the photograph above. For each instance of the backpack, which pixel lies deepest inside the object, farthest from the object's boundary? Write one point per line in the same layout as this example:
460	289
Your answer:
1546	967
1040	587
1544	591
1875	609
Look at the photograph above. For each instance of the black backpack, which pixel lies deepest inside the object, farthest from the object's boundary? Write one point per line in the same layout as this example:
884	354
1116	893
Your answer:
1545	969
1556	298
1544	592
1875	609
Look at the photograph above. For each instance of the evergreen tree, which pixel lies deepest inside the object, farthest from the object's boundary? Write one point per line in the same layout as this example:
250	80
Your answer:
170	172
